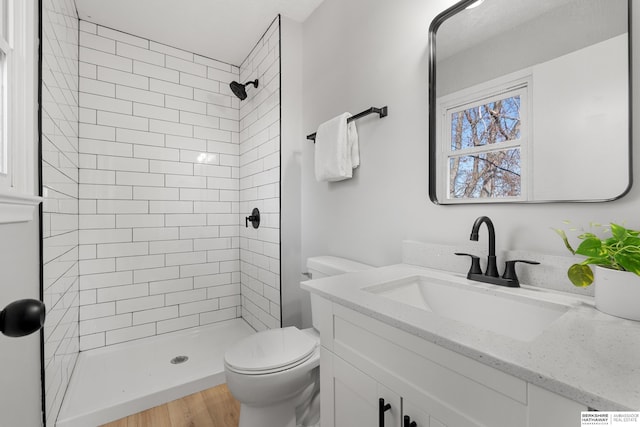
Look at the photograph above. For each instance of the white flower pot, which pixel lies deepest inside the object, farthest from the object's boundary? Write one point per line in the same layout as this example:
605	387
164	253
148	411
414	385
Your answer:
617	293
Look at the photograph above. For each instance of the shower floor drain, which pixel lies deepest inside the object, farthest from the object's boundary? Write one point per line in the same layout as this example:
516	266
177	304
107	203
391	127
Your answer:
179	359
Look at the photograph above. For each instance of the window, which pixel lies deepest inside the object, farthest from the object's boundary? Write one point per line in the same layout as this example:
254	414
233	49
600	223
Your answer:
5	51
18	110
484	141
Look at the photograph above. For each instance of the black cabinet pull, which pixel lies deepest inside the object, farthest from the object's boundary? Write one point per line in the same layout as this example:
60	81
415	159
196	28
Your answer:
408	422
382	408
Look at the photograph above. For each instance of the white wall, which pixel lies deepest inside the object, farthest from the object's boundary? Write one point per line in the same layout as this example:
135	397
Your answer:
541	39
260	182
296	309
60	190
580	117
362	53
159	195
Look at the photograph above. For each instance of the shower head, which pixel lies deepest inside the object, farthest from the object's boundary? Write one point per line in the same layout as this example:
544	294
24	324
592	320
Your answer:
239	89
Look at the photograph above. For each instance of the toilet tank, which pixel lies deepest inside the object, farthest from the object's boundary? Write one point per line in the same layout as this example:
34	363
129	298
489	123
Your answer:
325	266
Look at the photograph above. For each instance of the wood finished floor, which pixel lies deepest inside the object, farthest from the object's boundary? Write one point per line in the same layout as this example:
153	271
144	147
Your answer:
214	407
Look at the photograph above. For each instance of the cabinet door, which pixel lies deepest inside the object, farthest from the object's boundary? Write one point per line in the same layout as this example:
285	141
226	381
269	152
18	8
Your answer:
418	416
547	408
457	391
351	398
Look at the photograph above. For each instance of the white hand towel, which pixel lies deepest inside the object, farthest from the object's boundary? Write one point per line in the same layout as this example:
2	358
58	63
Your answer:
336	149
352	139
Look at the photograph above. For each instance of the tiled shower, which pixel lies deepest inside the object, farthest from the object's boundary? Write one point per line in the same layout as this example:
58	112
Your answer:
60	190
159	194
150	165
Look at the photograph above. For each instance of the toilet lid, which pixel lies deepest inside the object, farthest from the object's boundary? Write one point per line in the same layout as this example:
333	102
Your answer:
269	350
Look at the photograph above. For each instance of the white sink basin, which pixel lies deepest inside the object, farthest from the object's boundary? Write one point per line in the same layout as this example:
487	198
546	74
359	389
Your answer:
482	306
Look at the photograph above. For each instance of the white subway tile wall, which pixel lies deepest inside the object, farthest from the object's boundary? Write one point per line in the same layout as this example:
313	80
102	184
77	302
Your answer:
259	179
60	189
160	189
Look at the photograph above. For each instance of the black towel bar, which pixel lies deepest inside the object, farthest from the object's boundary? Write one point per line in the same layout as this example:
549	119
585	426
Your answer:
372	110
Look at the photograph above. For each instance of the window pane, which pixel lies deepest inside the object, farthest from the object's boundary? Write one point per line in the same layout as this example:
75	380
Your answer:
3	119
485	124
492	174
4	19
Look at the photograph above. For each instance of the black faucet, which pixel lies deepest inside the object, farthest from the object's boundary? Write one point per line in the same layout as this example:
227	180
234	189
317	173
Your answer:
491	275
492	269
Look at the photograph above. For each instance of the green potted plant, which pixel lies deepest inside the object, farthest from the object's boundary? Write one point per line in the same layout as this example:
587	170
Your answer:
616	261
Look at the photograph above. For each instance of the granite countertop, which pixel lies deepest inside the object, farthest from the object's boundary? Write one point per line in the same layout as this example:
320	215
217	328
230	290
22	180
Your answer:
584	355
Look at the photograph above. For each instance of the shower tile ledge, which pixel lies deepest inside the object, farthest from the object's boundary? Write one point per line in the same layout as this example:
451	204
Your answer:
113	382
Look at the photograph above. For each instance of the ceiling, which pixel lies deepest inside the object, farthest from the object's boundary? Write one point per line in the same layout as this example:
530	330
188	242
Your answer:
225	30
488	20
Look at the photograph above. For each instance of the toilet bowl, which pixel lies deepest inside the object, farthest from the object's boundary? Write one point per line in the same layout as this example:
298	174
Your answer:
274	374
270	372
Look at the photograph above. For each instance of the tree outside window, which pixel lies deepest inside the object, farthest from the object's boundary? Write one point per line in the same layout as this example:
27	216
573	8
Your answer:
485	146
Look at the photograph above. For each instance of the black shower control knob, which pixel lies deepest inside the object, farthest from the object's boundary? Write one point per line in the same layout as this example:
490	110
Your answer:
22	317
254	218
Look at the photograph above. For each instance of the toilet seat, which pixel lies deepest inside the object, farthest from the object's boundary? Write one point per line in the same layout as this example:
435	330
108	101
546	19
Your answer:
271	351
270	371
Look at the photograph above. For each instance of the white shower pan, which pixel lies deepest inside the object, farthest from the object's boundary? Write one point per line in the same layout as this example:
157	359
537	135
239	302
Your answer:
113	382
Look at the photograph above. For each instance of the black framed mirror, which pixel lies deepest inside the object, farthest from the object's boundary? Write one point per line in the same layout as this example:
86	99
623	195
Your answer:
529	101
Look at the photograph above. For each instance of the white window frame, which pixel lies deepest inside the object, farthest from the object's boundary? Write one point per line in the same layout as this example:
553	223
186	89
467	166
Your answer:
520	84
6	49
18	186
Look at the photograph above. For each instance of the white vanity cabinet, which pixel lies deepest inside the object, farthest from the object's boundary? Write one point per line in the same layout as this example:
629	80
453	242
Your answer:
363	360
353	397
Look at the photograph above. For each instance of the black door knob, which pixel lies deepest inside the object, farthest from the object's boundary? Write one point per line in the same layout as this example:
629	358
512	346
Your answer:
22	317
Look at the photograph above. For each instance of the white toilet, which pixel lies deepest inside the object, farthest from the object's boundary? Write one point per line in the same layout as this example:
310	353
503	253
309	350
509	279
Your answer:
275	373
